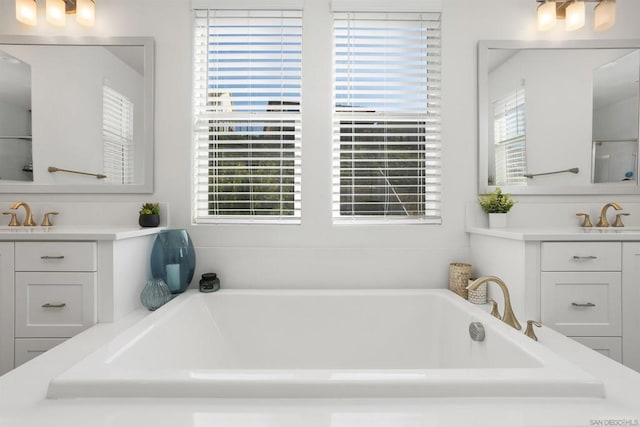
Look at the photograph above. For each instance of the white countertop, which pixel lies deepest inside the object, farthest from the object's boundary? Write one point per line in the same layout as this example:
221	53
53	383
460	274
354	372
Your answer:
74	232
23	402
560	233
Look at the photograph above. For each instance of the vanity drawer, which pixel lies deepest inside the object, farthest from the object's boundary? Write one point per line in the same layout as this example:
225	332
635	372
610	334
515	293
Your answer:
56	256
54	304
607	346
582	304
28	348
581	256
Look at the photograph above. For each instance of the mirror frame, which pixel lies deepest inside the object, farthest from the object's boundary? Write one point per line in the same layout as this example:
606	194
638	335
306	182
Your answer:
145	187
484	46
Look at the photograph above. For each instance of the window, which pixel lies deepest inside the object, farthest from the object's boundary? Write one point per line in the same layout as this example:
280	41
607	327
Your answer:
509	139
247	83
386	119
117	133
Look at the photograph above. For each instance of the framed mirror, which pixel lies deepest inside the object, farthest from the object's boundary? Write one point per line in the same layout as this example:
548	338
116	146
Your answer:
558	117
76	114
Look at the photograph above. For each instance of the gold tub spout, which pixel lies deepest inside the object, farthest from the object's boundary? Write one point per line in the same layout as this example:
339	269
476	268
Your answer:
508	317
28	221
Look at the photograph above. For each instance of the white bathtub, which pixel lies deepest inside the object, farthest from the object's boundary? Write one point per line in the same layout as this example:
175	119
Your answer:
315	343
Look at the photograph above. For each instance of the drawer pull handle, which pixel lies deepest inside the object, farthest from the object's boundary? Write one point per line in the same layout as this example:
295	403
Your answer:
586	304
55	305
52	257
585	257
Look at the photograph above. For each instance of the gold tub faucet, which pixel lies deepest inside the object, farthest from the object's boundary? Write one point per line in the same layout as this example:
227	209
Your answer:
28	221
603	213
508	317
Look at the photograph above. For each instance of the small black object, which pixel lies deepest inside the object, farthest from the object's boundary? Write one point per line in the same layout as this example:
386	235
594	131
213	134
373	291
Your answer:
209	282
149	220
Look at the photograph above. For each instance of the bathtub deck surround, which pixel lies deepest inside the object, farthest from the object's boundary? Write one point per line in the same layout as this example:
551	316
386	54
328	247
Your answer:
209	345
23	392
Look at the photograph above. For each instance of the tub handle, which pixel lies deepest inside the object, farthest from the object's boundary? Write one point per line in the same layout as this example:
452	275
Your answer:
54	305
585	257
586	304
530	332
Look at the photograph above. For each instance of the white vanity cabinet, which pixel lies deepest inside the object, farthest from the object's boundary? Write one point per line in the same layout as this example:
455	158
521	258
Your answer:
584	285
55	294
631	304
57	282
581	293
6	306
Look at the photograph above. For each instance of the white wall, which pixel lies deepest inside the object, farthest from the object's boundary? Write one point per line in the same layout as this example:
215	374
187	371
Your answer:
316	253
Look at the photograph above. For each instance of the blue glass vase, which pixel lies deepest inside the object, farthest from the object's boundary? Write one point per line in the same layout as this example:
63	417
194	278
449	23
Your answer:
155	294
173	259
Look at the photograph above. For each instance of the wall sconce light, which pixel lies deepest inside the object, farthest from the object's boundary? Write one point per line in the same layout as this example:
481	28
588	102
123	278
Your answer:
56	11
573	12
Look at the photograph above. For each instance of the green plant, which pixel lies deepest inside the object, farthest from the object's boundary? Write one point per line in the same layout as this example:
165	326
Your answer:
496	202
150	209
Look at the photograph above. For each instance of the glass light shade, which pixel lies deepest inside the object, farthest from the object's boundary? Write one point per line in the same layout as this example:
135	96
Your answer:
86	12
56	12
546	16
605	15
575	16
173	259
27	12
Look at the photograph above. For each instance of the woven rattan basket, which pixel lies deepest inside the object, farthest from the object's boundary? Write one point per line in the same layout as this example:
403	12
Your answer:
459	274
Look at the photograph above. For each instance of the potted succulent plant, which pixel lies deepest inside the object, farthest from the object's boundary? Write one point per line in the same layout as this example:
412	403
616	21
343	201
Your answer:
149	215
497	205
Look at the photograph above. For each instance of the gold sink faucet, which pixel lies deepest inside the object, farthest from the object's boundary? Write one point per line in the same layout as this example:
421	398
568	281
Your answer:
603	214
28	221
509	317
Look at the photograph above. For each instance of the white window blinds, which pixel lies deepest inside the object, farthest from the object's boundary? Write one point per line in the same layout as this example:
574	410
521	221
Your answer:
247	83
386	120
509	139
117	134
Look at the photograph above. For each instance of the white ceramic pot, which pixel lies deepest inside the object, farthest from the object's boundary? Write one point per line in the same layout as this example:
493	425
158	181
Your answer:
497	220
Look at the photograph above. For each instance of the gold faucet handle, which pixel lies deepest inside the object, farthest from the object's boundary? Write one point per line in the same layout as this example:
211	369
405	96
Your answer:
14	220
586	222
529	331
494	308
618	221
46	222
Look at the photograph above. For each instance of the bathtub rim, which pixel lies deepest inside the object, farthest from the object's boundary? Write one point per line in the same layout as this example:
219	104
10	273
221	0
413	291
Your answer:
567	379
